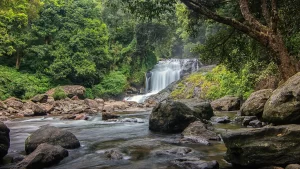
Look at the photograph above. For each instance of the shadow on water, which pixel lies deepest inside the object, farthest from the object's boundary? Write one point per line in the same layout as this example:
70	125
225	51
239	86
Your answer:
138	145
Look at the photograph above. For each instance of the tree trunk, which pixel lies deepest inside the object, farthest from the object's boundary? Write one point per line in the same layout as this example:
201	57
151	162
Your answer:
18	62
287	64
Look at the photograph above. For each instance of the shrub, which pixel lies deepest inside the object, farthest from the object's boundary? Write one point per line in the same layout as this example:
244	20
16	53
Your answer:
217	83
113	84
59	94
21	84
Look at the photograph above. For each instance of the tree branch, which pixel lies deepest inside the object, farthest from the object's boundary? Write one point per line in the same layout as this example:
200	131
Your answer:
256	34
244	6
266	12
275	17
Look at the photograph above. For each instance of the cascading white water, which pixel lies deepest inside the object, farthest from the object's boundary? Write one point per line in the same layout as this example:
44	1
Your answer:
163	74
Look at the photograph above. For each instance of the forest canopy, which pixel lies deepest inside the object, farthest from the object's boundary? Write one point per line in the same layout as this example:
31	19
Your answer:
90	42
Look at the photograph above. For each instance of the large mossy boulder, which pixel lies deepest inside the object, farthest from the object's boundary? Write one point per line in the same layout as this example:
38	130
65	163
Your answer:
267	146
45	155
51	135
201	108
283	107
254	105
4	140
226	103
171	117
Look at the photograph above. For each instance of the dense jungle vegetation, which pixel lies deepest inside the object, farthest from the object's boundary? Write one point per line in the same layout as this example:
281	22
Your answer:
108	45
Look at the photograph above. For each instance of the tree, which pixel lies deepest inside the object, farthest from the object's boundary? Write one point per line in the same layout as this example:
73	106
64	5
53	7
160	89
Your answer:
259	20
15	19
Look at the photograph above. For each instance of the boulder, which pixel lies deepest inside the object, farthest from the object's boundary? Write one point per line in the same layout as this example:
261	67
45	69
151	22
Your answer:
71	91
195	163
283	107
247	119
254	105
227	103
114	154
293	166
51	135
171	117
39	110
267	146
80	117
93	104
198	132
45	155
40	98
108	115
14	103
202	109
4	140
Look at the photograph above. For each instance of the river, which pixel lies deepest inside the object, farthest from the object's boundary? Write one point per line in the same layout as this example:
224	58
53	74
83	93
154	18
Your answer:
139	145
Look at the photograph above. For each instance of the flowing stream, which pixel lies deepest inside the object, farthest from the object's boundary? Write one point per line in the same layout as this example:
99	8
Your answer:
163	74
134	140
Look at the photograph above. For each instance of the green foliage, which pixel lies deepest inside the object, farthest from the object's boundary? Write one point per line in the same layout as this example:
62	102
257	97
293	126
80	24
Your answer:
59	94
218	83
21	85
113	84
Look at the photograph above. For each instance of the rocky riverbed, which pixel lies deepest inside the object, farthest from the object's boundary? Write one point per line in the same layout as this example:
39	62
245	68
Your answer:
260	134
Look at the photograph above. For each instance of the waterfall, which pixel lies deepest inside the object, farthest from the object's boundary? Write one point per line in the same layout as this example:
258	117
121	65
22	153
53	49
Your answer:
164	73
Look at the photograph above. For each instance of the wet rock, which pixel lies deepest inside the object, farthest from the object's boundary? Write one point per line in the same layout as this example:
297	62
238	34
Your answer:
170	117
14	103
202	109
107	116
223	119
283	107
80	117
254	105
227	103
176	151
195	163
261	147
114	154
198	132
293	166
256	124
45	155
133	120
248	119
51	135
239	119
71	91
4	140
180	151
68	117
40	98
